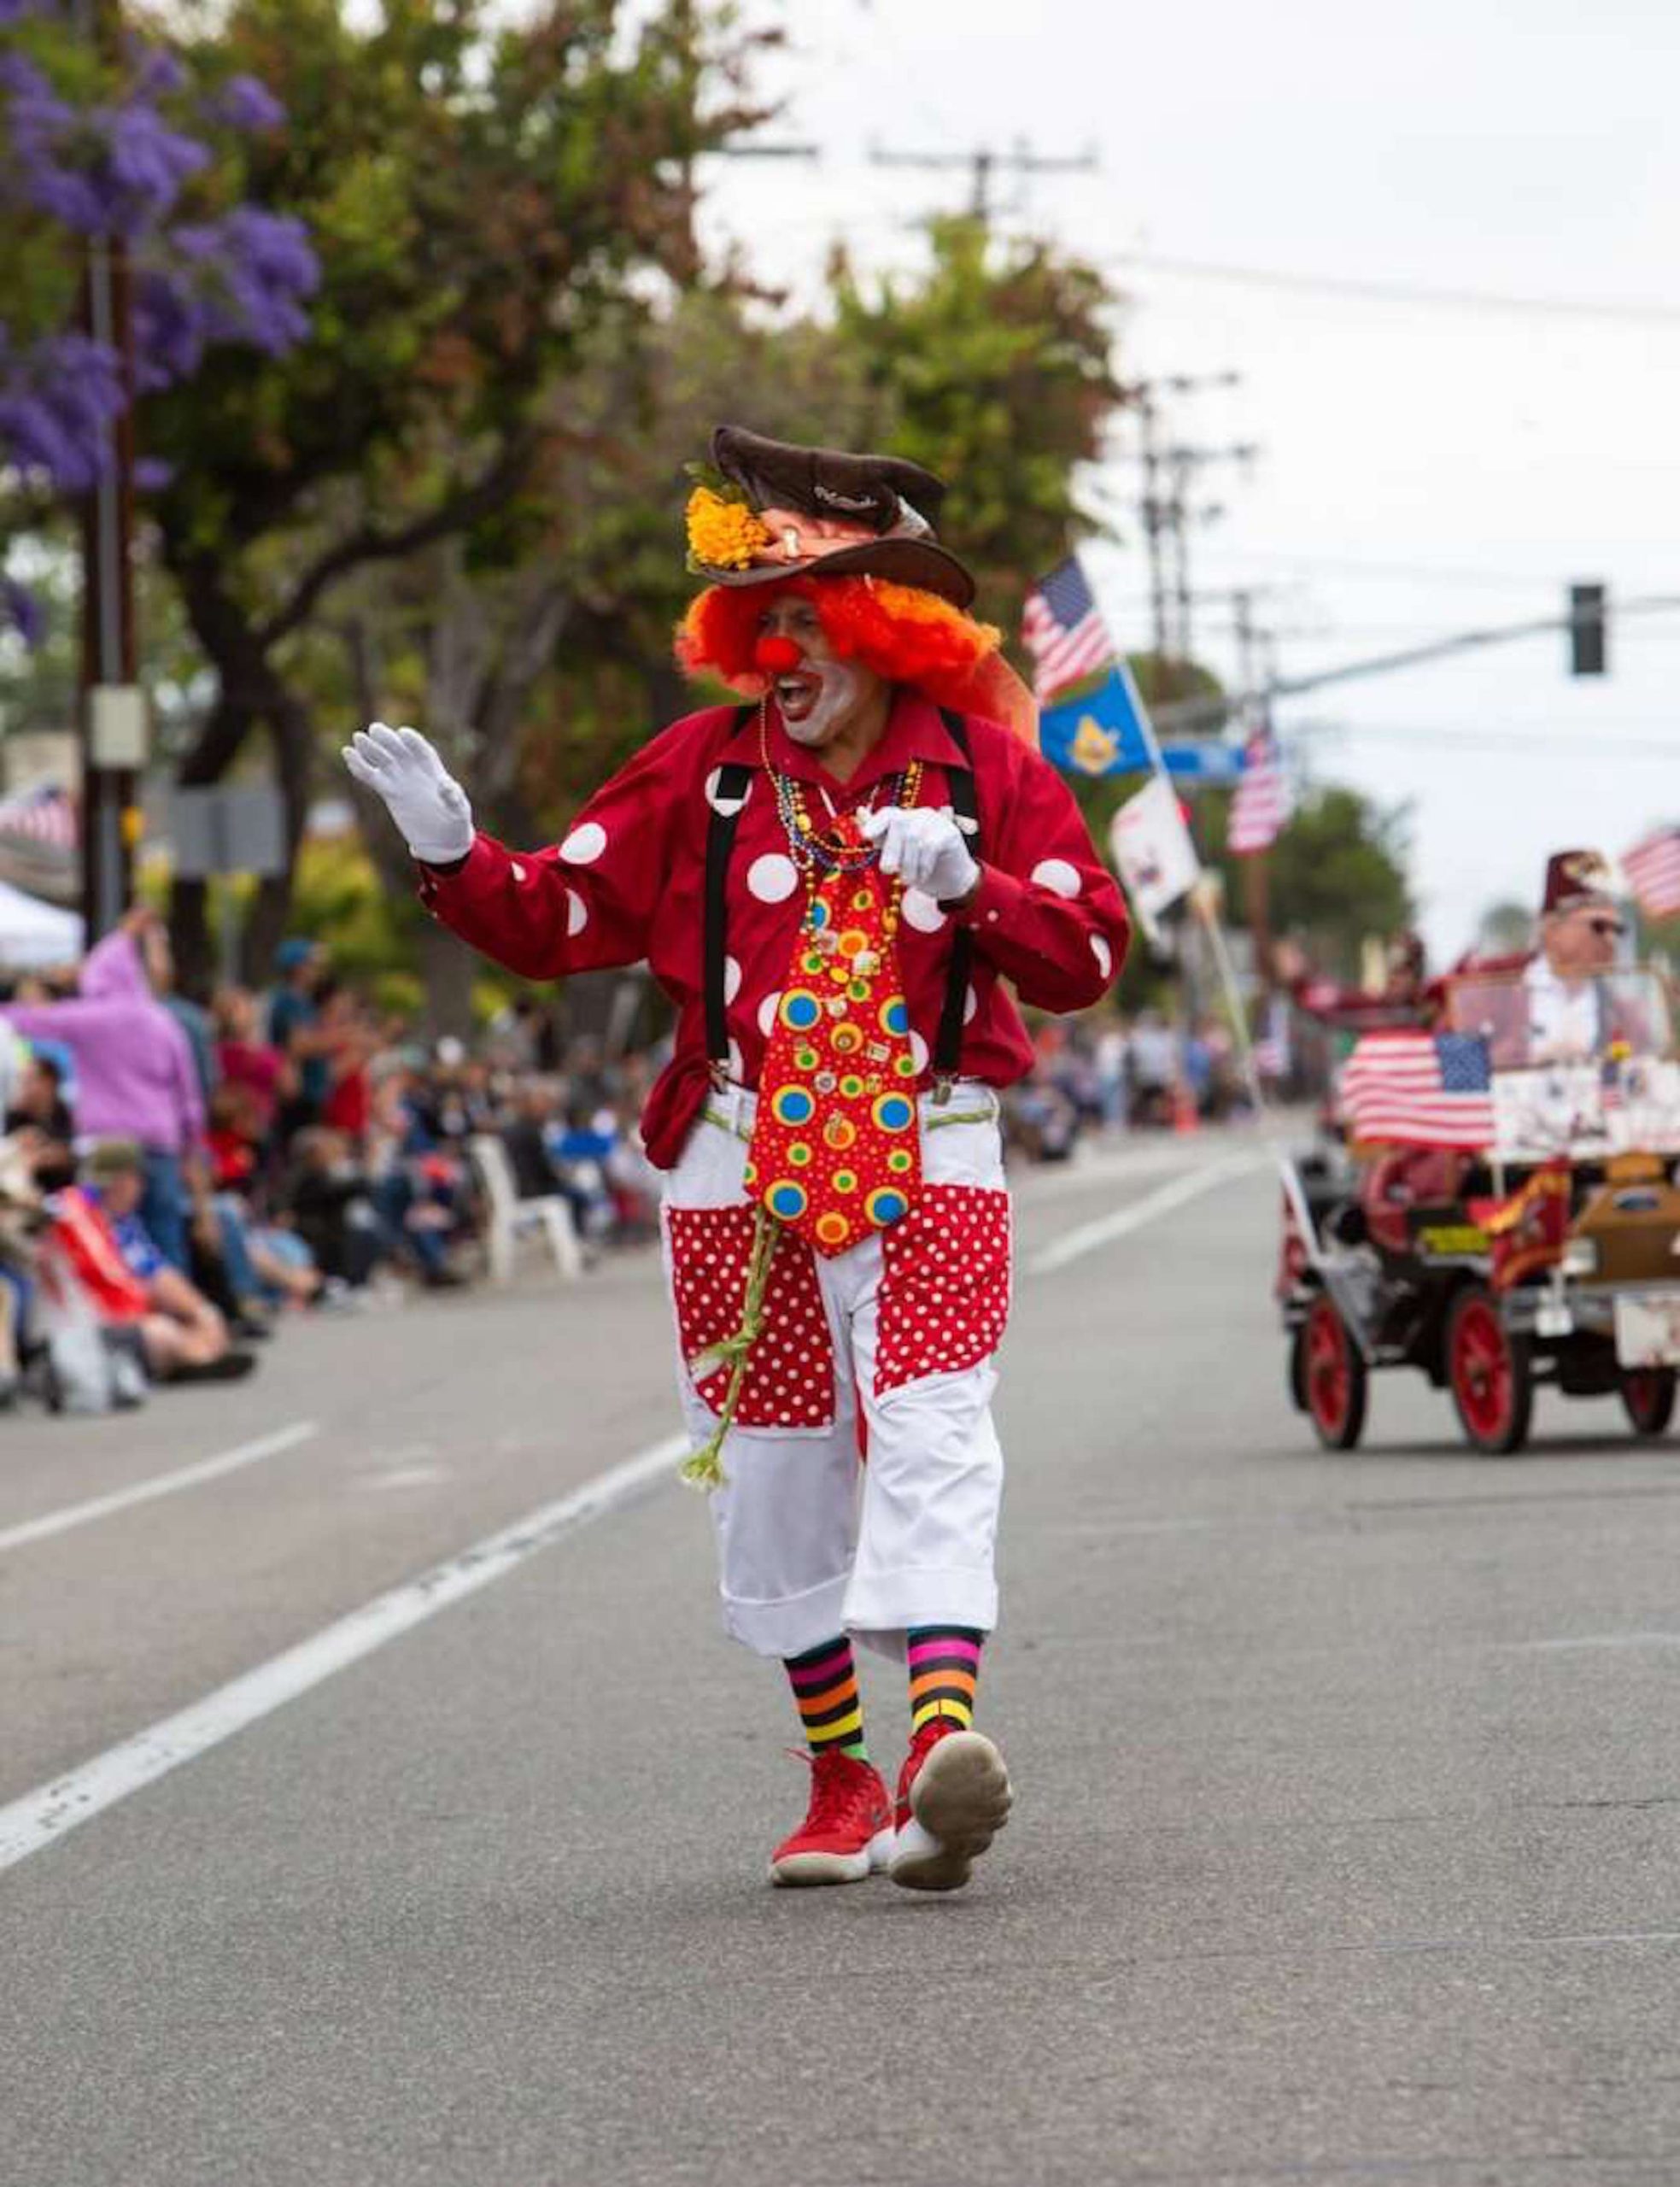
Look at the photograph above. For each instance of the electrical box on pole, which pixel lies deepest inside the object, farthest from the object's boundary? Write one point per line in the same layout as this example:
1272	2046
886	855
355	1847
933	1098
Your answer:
1586	629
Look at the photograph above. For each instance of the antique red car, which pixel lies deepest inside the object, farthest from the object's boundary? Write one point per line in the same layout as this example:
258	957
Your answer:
1503	1216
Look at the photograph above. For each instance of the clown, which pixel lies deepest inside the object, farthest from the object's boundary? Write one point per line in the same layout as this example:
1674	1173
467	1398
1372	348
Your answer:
831	882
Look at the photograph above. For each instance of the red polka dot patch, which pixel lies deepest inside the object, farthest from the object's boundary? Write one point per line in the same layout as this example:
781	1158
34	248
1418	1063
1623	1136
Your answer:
790	1378
944	1285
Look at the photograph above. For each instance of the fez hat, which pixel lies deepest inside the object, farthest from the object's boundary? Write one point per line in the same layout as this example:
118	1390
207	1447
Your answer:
1574	879
820	512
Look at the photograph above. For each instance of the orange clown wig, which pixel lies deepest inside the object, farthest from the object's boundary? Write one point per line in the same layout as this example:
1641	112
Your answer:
896	631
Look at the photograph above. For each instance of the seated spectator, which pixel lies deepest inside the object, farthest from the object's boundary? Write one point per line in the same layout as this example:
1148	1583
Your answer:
525	1135
183	1338
39	1107
21	1217
250	1066
580	1154
327	1197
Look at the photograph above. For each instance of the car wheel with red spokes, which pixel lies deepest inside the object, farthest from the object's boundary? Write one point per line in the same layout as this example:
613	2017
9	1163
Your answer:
1648	1398
1333	1377
1491	1373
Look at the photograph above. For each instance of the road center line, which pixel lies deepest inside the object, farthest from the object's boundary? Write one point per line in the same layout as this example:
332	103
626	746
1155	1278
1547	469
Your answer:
40	1818
161	1484
1089	1237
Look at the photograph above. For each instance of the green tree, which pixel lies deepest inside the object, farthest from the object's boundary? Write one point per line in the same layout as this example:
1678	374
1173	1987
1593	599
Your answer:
995	369
1335	874
1504	928
488	198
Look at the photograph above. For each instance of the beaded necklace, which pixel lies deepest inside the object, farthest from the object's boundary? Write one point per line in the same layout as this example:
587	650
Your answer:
815	853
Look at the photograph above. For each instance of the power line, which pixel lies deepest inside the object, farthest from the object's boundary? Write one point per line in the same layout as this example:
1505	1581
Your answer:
1527	745
983	163
1189	714
1630	313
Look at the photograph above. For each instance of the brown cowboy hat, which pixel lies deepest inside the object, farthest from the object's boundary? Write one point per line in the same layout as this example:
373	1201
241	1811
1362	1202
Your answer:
827	513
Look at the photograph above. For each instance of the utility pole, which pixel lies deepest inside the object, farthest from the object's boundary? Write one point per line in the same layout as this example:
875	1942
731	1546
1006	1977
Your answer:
111	711
1257	876
983	163
1183	465
1169	471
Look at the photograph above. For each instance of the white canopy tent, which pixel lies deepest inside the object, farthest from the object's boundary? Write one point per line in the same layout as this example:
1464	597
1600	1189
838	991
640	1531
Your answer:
34	935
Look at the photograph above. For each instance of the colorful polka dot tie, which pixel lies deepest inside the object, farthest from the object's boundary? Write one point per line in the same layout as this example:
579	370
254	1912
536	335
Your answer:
835	1155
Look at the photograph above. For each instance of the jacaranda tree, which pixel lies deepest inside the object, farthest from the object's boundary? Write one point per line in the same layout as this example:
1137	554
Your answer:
148	147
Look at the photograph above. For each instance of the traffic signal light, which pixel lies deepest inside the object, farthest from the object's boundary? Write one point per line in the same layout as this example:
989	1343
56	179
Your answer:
1586	629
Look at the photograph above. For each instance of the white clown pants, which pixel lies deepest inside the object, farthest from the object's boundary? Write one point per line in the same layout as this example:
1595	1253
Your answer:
885	1350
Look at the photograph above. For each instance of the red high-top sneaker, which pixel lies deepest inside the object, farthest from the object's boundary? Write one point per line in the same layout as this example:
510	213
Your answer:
847	1832
953	1797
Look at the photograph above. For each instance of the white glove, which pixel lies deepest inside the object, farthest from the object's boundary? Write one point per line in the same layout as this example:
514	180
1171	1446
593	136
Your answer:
428	804
925	849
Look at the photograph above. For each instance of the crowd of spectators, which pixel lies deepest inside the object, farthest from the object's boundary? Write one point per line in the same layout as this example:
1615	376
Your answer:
179	1177
1114	1073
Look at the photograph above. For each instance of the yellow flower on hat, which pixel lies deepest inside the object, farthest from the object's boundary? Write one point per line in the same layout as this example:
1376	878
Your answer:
723	534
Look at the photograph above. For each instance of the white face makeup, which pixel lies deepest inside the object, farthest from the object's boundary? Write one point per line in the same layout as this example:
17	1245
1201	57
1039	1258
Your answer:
816	702
824	692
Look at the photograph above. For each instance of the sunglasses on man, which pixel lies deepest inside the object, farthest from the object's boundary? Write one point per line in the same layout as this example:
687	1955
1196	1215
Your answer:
1603	926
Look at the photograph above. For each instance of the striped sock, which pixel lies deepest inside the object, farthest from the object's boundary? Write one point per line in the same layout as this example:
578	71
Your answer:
944	1671
825	1691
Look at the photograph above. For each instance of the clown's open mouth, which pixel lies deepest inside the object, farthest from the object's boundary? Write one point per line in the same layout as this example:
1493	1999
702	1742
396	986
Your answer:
797	694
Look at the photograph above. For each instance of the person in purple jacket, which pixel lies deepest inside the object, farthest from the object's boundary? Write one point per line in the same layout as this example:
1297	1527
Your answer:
134	1074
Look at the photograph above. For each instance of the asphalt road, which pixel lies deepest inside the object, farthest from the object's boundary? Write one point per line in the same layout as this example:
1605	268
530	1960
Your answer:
1345	1843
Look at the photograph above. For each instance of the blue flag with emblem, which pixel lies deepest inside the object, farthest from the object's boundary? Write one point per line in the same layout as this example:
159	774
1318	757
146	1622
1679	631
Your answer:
1100	733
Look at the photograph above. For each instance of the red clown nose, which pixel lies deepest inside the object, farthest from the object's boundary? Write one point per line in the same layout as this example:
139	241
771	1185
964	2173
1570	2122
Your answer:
776	656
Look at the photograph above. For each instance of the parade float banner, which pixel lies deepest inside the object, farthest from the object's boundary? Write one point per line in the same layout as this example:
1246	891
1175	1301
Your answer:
1587	1109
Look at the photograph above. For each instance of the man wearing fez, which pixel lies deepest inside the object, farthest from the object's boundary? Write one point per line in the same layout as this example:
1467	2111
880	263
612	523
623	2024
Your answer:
1558	1006
832	881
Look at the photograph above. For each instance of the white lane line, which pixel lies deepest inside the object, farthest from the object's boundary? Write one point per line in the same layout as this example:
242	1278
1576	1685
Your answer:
45	1815
1089	1237
1594	1641
160	1484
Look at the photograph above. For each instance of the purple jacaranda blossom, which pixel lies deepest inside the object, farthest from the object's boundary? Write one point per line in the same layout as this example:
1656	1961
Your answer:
251	271
158	73
20	608
113	170
57	400
144	165
20	79
242	103
152	474
171	328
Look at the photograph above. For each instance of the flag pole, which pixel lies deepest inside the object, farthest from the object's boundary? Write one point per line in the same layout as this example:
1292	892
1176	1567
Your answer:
1203	908
1214	927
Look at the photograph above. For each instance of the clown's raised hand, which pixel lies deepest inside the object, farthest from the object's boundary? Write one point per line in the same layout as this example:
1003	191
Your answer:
428	804
924	847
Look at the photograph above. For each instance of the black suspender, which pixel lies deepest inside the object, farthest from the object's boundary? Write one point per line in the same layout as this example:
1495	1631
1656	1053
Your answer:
728	795
948	1042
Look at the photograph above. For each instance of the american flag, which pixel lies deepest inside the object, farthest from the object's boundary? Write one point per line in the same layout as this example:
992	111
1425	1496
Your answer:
1653	869
44	815
1419	1089
1263	803
1271	1048
1062	627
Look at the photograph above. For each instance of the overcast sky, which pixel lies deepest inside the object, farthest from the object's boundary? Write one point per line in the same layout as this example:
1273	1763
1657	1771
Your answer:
1425	466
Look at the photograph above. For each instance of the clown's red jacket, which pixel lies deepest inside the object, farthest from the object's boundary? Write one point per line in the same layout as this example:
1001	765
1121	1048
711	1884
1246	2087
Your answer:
627	883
